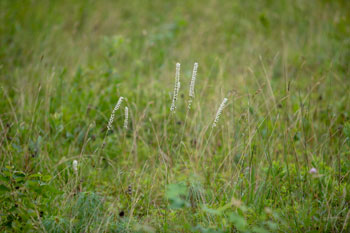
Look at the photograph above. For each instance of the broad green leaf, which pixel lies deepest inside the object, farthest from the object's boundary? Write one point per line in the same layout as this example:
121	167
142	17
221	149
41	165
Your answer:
3	188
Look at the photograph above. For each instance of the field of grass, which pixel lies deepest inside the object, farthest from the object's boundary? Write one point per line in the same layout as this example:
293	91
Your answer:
278	159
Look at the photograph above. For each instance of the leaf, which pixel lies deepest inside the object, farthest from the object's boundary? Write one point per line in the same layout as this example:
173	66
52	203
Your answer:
259	230
210	211
46	178
144	228
346	131
37	175
238	221
17	147
3	188
4	178
273	226
31	184
176	190
225	207
176	194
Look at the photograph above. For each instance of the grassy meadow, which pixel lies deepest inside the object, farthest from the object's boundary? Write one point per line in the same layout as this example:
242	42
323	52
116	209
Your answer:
278	159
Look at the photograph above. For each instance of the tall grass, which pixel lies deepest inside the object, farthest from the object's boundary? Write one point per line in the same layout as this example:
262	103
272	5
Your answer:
277	159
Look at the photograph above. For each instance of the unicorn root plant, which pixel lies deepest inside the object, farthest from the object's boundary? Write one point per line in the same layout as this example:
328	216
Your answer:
176	87
218	113
111	119
193	82
126	117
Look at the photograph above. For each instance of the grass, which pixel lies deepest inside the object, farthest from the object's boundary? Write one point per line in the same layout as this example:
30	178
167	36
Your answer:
282	65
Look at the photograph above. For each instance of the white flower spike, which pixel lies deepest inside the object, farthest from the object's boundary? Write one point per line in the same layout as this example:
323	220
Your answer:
126	117
75	166
176	87
111	119
218	113
193	80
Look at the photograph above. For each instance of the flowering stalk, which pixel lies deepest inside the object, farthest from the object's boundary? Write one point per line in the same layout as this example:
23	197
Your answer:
75	166
218	113
193	81
126	117
176	87
111	119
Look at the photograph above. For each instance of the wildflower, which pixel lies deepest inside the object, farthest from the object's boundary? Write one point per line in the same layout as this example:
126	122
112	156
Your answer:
313	171
111	119
126	117
218	114
75	166
193	80
176	87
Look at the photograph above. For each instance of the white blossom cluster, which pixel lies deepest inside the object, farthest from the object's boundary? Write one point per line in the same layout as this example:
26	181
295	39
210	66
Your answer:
218	113
193	80
111	119
176	87
126	117
75	166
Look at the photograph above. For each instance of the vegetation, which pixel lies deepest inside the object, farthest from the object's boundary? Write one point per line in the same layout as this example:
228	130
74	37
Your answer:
276	161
